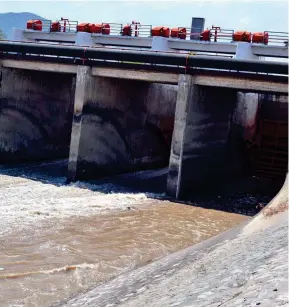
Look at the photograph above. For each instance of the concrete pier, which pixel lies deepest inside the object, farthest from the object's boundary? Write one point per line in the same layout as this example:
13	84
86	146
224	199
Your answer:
200	147
186	87
83	82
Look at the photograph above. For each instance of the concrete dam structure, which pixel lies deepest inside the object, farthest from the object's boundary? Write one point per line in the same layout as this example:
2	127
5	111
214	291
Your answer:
113	116
126	122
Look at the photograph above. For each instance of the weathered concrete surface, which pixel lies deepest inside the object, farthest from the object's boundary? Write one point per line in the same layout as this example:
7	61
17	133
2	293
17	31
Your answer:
243	130
35	115
242	84
245	115
83	81
200	149
274	107
247	266
126	126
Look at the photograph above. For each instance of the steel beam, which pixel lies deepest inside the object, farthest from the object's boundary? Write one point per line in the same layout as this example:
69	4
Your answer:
270	51
66	37
155	77
199	46
151	57
146	42
251	84
40	66
122	41
242	84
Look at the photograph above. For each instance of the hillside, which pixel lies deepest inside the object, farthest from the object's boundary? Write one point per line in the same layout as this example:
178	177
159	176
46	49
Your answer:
17	20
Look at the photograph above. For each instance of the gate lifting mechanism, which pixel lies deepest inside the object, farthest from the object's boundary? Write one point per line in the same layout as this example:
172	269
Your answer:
62	25
136	29
131	29
103	28
180	33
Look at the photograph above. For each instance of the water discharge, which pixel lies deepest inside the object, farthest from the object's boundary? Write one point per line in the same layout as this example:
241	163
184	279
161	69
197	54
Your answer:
60	240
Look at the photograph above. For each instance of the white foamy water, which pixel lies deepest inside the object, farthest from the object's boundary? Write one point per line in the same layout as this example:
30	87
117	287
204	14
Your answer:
25	201
59	240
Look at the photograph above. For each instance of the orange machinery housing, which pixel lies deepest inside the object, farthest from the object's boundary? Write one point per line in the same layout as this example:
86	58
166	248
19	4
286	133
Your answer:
260	38
126	30
205	35
34	24
179	33
105	28
55	26
83	27
161	31
242	36
94	28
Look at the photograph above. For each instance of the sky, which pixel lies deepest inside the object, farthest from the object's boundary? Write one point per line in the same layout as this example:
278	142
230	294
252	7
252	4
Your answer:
229	14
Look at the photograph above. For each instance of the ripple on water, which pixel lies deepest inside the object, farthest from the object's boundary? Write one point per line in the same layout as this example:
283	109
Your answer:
59	240
59	258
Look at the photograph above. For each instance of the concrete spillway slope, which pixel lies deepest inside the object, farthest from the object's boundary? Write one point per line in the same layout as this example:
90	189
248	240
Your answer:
247	266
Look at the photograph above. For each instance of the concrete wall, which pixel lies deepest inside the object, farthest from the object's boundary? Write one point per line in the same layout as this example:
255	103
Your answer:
35	115
243	130
200	153
207	154
251	106
247	135
126	126
274	107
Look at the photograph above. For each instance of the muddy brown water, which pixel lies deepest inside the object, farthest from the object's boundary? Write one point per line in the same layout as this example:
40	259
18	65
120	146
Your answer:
58	240
56	259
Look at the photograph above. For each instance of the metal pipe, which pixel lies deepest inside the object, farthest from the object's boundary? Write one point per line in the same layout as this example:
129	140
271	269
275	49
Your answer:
152	57
149	67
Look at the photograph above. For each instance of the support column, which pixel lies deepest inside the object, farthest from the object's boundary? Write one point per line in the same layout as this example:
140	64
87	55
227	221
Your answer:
160	43
200	152
184	97
83	39
244	51
83	79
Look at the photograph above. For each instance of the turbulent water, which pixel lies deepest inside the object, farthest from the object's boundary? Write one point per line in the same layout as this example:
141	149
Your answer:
59	240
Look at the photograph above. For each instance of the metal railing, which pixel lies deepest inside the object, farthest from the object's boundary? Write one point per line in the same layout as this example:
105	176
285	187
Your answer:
216	34
277	38
219	34
43	27
144	30
67	25
115	28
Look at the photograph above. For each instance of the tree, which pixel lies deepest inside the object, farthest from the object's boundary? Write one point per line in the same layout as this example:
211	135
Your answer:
2	35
